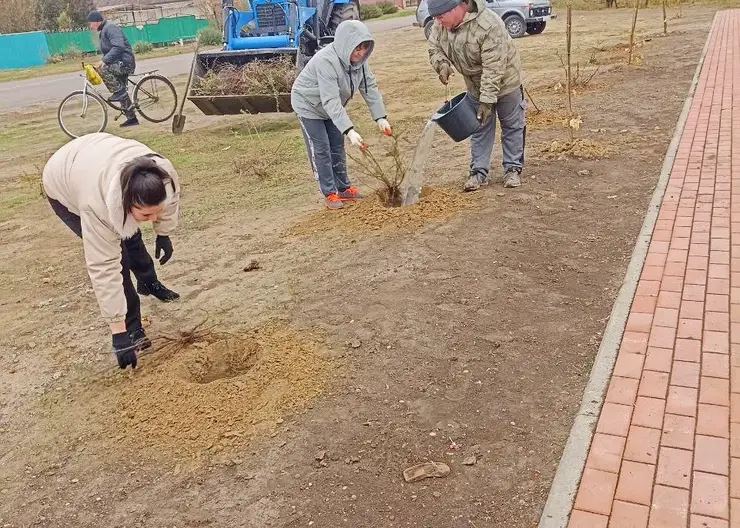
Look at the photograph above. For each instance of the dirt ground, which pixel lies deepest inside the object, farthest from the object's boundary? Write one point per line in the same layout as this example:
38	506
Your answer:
295	390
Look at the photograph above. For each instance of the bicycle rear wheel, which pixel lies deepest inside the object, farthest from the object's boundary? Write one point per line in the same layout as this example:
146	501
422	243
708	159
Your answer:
155	98
82	113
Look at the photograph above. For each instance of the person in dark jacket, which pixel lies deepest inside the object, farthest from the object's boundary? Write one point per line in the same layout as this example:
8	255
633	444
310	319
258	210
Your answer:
117	64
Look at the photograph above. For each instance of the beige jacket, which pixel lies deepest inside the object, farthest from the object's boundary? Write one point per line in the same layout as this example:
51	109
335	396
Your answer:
482	51
84	176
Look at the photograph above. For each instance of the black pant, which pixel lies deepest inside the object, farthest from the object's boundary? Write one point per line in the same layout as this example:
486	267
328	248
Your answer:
134	258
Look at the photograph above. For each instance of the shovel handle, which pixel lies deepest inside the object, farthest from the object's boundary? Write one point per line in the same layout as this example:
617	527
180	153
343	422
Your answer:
190	76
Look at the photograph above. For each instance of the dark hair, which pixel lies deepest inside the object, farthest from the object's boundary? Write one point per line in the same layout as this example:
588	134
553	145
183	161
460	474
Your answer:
143	183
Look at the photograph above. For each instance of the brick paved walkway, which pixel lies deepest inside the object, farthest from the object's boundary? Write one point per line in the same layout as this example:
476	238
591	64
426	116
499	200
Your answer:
666	452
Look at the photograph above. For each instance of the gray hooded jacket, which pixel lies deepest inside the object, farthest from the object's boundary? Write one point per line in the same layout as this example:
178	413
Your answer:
329	81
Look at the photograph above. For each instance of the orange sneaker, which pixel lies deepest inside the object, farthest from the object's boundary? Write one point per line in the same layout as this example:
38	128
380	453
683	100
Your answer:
332	201
350	194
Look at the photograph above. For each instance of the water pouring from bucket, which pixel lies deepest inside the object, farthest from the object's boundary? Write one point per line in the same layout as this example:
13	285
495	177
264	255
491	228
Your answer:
458	118
415	175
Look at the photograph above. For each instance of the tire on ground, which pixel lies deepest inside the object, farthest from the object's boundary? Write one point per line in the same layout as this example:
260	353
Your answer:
535	28
515	25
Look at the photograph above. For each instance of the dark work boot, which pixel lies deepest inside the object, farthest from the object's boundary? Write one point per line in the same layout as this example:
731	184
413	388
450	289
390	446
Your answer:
159	290
140	340
133	121
128	109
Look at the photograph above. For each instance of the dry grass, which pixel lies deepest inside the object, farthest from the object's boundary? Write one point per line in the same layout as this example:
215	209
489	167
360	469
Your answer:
546	118
577	148
260	165
255	78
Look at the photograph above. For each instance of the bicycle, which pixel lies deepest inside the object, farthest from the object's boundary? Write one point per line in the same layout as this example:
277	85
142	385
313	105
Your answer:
86	111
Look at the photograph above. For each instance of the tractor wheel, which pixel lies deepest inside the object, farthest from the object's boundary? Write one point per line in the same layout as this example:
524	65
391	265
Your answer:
342	12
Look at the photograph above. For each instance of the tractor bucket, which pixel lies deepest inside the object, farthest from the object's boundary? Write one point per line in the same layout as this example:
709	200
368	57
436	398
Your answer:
238	104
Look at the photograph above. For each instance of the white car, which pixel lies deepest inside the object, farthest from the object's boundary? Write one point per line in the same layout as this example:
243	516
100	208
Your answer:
518	16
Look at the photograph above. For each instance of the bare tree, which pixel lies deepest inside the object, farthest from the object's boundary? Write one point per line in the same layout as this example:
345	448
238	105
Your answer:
632	33
568	74
18	16
210	9
665	20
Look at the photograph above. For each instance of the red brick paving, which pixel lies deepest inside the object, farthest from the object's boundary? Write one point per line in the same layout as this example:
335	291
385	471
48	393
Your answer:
666	452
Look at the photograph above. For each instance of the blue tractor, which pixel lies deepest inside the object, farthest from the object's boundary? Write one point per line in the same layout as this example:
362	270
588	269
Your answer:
264	31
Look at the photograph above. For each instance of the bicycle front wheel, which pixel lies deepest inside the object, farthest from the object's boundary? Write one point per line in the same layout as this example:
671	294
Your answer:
82	113
155	98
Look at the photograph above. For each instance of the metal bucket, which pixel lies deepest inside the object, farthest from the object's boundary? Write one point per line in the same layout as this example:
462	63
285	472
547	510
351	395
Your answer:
458	117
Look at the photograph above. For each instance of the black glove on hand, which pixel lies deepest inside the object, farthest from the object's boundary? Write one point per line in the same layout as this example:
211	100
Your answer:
484	111
163	245
125	350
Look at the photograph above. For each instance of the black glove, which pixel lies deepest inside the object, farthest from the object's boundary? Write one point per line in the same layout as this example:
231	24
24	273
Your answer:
163	245
484	111
125	350
445	70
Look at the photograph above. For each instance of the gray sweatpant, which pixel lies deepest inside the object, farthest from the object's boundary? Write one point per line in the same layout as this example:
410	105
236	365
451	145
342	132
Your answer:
511	112
325	147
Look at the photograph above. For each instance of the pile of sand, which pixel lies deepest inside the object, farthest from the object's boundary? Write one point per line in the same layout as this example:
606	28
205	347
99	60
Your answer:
370	214
216	393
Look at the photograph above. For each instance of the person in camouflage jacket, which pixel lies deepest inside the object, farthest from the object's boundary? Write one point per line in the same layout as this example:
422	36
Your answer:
473	40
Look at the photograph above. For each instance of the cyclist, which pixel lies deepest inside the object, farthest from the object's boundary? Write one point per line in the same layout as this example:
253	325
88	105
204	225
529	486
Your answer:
117	64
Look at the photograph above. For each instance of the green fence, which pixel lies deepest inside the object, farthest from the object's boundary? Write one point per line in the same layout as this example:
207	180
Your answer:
22	50
164	31
62	42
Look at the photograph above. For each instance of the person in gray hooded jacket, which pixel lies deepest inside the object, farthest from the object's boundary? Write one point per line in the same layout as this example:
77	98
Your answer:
319	96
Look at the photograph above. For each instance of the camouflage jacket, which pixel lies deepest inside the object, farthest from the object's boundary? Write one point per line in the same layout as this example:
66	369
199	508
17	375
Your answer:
482	51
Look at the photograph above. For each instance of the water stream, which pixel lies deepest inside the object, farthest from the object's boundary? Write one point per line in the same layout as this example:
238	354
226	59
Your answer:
415	175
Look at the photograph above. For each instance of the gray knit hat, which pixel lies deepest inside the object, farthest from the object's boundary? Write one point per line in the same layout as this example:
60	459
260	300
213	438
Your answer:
440	7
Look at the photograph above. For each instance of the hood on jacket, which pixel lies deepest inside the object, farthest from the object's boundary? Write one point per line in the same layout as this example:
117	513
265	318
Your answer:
349	35
480	7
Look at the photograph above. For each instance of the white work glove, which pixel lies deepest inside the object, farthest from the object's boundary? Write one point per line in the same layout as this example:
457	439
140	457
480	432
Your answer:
356	140
385	126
